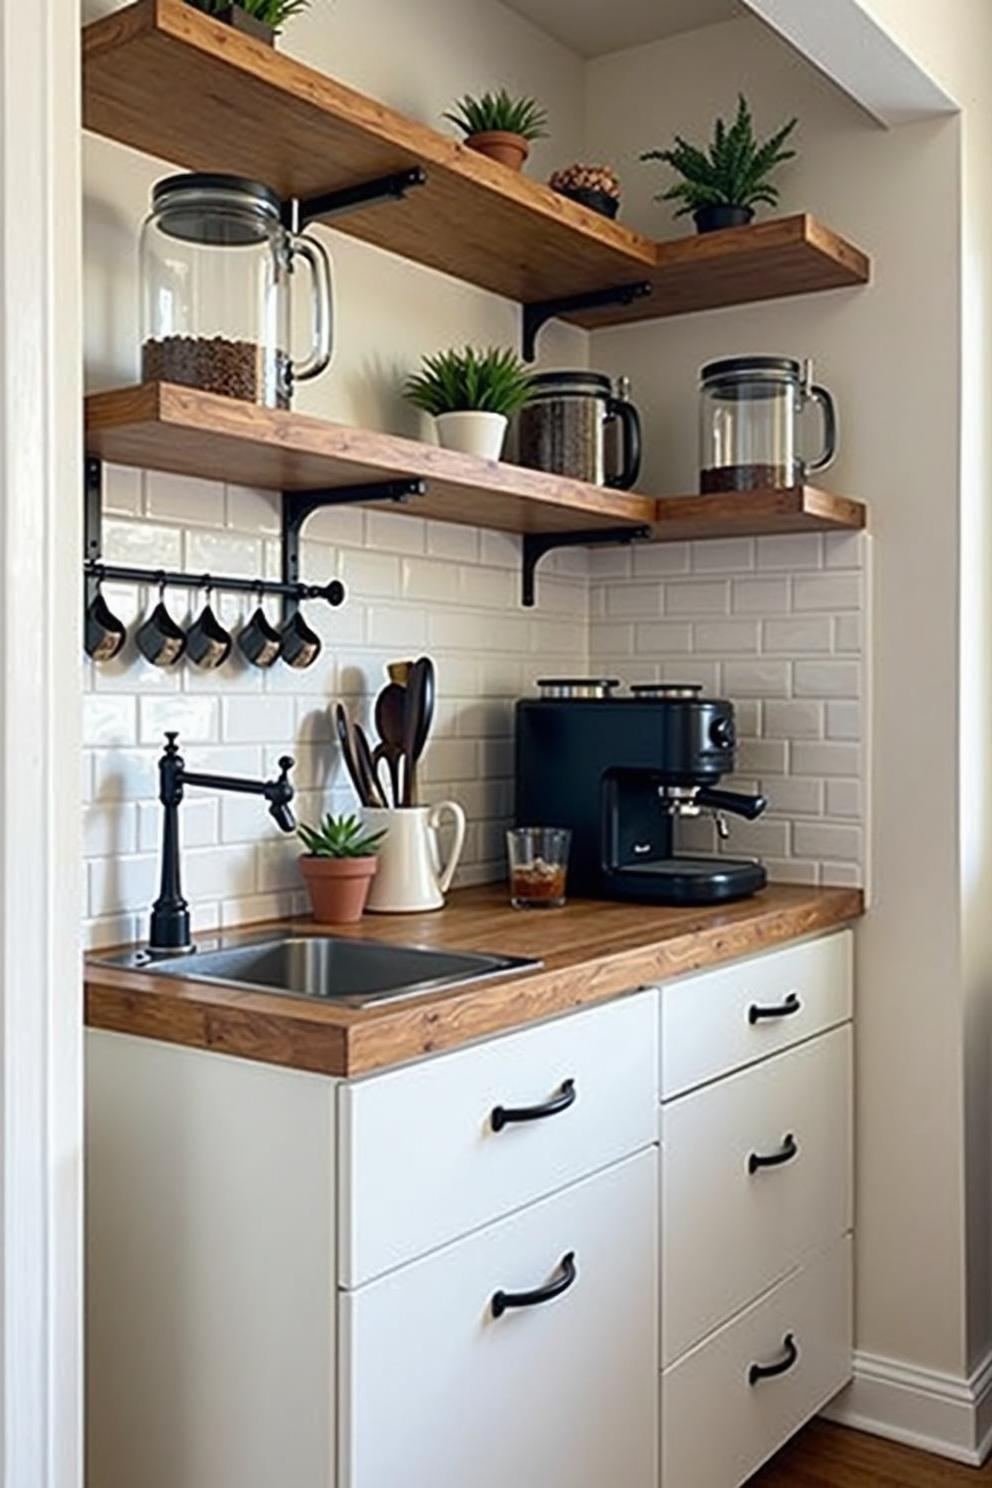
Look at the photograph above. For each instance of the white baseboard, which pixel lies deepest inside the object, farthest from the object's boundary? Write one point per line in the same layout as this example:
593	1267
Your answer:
942	1413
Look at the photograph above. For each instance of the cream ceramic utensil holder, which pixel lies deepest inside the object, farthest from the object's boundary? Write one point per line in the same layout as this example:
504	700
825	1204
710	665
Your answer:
411	876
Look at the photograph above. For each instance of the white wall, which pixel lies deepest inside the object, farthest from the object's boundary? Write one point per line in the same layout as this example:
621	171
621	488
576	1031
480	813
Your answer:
413	585
890	354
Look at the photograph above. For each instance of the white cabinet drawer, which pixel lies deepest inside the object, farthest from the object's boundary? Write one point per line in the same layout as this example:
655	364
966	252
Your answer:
722	1020
734	1222
440	1393
717	1426
423	1162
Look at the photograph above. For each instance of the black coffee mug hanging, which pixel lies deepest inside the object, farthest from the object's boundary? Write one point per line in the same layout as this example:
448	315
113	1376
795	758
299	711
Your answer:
160	640
258	640
104	634
300	645
208	644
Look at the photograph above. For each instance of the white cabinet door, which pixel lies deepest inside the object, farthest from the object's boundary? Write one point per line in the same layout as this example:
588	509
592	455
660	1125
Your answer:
756	1177
725	1019
721	1420
441	1393
423	1160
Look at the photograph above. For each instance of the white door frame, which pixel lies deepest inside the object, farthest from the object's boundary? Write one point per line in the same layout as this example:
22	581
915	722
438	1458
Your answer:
40	707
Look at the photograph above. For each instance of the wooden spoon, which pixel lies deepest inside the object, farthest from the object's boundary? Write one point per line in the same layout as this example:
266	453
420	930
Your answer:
413	725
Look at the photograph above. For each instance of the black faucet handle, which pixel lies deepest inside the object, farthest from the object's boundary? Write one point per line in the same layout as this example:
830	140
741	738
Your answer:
171	747
286	764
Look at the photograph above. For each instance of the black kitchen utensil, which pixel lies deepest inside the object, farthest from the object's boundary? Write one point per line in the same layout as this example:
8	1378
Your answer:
342	724
159	639
390	721
375	794
258	640
104	634
429	696
208	643
300	645
416	701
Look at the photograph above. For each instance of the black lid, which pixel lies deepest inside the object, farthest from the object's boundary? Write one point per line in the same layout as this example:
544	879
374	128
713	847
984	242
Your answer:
211	224
595	381
760	365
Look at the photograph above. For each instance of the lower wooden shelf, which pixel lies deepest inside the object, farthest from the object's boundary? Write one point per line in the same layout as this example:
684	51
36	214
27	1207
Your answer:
755	514
160	426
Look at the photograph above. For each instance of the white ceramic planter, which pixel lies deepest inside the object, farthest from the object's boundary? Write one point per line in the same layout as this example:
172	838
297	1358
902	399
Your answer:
473	433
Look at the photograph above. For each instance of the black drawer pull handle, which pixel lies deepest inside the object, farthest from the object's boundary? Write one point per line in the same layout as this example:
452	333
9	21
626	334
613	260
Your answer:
785	1009
504	1115
567	1273
759	1372
788	1150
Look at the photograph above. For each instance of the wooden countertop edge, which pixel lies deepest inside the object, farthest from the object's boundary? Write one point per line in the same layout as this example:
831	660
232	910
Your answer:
348	1042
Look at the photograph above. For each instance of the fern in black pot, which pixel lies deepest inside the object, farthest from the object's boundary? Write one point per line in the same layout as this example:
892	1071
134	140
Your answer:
721	185
262	19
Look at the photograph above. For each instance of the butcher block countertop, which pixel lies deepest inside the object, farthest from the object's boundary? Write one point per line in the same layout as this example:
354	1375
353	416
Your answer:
591	951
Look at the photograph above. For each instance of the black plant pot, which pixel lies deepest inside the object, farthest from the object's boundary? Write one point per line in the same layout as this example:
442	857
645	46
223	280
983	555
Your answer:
714	219
597	201
238	19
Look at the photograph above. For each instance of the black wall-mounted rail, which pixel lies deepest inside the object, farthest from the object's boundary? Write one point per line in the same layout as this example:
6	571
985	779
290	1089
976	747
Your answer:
537	544
540	312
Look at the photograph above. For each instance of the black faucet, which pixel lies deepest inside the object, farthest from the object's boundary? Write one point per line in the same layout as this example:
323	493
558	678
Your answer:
170	934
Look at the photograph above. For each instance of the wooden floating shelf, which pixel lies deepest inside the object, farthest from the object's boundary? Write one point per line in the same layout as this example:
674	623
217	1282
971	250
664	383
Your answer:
173	82
159	426
756	514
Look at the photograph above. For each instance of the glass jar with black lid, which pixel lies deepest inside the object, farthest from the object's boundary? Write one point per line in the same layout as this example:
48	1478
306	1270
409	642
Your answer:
749	412
216	273
576	425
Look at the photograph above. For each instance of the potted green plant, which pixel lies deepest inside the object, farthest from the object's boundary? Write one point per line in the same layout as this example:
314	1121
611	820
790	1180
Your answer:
721	186
500	126
472	395
262	19
594	186
338	868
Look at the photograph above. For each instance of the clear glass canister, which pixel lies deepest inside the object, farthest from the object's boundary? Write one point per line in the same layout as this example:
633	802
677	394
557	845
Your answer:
216	275
572	426
749	411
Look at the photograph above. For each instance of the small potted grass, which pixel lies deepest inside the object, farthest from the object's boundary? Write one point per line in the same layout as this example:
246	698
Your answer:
338	867
261	19
472	396
721	185
500	126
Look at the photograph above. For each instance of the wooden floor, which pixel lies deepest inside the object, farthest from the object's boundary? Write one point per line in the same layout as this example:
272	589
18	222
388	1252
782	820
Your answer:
831	1457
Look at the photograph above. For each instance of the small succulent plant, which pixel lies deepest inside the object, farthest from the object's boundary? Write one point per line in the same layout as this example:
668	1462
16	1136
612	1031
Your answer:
499	111
272	13
580	177
490	381
735	169
340	837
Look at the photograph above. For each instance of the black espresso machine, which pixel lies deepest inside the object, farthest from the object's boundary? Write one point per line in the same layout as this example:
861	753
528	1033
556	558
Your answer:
621	772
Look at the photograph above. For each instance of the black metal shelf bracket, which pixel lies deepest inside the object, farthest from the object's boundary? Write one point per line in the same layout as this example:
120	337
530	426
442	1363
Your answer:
540	312
298	506
537	544
329	204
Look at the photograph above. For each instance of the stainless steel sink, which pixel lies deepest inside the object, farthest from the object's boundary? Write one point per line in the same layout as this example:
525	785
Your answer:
354	973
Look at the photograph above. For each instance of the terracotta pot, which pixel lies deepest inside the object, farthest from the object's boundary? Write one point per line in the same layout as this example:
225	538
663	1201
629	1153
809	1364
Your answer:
338	887
499	144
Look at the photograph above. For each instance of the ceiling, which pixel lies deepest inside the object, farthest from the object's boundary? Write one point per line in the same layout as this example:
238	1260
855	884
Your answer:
592	27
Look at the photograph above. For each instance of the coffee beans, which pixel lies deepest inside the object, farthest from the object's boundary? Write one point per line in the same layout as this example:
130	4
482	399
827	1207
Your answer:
235	369
745	478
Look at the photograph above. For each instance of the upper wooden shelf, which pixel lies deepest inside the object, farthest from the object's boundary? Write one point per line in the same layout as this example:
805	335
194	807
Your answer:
158	426
175	83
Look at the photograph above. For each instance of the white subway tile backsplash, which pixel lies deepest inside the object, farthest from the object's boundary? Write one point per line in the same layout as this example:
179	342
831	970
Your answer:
765	622
704	597
795	636
722	555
